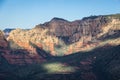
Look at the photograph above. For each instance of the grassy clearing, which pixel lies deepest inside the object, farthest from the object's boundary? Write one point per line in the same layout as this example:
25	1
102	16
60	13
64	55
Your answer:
58	68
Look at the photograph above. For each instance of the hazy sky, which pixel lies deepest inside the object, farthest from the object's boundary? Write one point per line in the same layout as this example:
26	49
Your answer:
28	13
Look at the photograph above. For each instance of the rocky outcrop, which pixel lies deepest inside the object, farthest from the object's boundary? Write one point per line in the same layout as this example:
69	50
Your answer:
18	56
3	41
7	31
62	37
22	57
39	37
71	32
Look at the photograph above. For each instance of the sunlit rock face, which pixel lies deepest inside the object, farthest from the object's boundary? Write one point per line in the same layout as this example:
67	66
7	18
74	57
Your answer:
88	29
18	55
32	39
62	37
71	32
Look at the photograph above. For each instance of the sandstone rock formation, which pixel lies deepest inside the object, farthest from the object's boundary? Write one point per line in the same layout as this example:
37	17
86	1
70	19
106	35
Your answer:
78	35
3	41
73	31
19	56
39	37
91	46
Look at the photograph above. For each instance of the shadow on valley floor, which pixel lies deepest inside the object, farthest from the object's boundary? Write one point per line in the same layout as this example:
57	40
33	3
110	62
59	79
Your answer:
102	63
105	61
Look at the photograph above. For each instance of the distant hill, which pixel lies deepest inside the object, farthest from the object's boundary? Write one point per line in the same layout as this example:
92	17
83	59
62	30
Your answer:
7	31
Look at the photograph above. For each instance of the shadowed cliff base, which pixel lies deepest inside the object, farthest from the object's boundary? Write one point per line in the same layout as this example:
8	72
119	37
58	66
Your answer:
99	64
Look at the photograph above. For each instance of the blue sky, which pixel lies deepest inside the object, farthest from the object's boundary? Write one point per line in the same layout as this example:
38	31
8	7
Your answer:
28	13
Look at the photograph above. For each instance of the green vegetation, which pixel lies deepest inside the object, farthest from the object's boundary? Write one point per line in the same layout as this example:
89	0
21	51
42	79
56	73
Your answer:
57	68
13	45
115	16
61	48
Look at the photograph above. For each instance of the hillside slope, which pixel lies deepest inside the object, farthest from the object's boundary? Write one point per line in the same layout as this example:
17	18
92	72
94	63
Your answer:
87	49
61	37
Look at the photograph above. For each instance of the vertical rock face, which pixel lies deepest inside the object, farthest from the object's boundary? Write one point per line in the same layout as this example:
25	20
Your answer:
19	56
71	32
3	47
30	39
3	41
71	37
